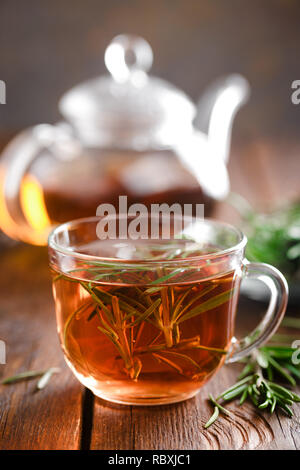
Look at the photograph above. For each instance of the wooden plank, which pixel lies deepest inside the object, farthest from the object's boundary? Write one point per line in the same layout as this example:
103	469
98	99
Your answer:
49	418
181	426
112	427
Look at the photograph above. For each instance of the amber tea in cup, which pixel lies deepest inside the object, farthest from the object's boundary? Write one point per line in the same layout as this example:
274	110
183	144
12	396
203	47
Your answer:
150	321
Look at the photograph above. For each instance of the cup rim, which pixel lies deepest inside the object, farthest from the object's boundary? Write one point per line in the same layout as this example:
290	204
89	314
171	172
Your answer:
242	241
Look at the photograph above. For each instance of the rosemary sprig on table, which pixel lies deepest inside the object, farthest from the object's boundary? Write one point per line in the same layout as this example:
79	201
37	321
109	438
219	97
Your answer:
257	382
44	375
273	237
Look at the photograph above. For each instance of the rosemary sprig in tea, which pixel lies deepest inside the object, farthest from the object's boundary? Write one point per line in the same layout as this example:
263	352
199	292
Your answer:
121	312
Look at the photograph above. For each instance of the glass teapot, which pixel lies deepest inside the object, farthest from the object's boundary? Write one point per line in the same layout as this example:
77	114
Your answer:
125	133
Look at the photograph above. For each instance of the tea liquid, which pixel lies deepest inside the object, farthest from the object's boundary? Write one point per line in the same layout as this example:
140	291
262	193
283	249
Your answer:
145	343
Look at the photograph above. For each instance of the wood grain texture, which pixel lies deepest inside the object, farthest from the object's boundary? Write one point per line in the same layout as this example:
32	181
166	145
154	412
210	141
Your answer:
30	419
181	426
52	418
194	42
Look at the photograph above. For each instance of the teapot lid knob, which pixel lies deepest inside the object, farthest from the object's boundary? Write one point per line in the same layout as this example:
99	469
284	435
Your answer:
128	55
128	107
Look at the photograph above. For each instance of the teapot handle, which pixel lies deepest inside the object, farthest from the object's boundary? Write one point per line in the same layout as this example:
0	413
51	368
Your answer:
18	219
216	110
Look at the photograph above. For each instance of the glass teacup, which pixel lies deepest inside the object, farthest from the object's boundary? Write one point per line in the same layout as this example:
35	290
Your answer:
149	321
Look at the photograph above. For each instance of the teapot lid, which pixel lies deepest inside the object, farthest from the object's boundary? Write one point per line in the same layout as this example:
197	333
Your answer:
129	107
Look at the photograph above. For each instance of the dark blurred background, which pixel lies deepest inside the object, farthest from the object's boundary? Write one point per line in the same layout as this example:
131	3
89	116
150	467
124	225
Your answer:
48	46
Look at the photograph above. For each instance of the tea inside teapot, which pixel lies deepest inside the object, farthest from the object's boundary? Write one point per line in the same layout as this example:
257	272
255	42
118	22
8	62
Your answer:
127	133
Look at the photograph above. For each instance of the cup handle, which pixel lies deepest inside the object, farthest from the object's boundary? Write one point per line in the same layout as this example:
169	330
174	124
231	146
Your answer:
277	284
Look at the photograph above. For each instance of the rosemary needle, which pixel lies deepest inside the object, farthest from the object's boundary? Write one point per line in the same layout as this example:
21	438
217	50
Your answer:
273	237
220	407
23	376
46	377
263	392
30	374
213	417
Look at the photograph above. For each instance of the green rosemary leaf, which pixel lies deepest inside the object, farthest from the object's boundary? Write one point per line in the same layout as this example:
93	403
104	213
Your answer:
244	396
107	327
96	298
266	394
279	352
146	314
221	408
46	377
108	332
252	396
167	361
153	290
234	393
179	302
265	404
127	267
262	359
245	380
23	376
80	310
273	404
131	301
108	274
184	357
291	322
247	369
105	296
208	348
65	276
292	369
281	371
59	276
283	399
282	390
270	374
92	315
293	252
168	276
185	344
286	408
201	294
115	342
208	305
213	418
296	397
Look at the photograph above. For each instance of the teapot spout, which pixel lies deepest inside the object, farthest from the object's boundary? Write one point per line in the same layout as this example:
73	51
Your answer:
217	108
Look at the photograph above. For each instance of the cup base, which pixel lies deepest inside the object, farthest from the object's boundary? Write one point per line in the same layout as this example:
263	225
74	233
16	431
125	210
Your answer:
127	398
145	400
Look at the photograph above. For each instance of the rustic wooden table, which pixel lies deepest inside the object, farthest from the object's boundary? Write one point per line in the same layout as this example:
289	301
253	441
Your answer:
64	415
